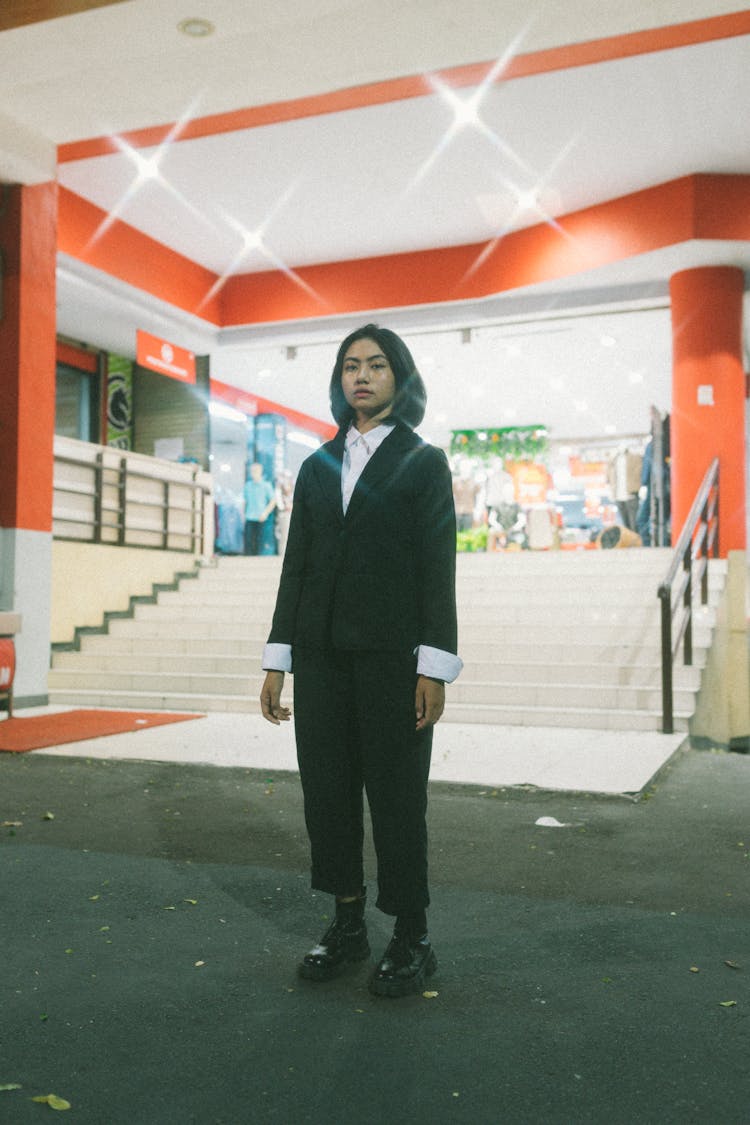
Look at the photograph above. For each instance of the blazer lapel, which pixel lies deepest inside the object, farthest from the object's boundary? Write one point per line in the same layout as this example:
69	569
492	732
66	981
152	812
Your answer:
387	459
327	462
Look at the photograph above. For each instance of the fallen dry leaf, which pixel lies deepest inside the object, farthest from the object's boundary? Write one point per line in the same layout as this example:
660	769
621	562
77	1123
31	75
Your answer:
430	995
12	824
199	963
694	969
732	964
48	816
52	1101
728	1003
11	1086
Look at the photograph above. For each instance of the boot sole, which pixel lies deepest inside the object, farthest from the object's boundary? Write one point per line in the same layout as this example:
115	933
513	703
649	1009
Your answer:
330	972
408	987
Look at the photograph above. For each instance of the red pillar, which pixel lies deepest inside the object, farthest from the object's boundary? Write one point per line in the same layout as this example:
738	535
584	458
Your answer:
28	240
708	395
28	243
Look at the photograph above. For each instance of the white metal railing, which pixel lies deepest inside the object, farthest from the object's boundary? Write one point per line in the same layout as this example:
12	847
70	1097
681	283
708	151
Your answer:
112	496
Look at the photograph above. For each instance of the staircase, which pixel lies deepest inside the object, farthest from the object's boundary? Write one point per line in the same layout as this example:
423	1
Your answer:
547	638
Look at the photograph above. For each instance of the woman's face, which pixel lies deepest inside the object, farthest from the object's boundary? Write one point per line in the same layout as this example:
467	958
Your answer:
368	383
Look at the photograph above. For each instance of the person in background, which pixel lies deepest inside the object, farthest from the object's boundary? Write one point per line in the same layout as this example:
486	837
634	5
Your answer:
366	619
260	501
465	490
284	496
643	518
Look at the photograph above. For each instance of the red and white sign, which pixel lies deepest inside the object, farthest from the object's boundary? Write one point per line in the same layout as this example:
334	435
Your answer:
167	359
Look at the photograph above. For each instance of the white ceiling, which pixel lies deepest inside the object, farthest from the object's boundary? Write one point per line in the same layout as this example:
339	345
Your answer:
394	177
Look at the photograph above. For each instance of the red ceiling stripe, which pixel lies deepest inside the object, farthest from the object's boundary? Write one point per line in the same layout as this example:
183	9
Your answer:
90	235
694	207
415	86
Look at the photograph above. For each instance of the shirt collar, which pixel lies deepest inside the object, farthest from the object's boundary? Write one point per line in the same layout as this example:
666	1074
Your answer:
371	440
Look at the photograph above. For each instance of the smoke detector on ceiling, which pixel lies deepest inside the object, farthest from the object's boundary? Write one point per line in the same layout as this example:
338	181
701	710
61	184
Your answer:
196	27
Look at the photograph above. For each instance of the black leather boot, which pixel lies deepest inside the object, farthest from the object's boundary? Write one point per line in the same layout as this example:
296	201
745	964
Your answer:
406	963
344	942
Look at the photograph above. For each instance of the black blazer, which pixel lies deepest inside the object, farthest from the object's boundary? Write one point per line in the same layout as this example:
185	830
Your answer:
381	577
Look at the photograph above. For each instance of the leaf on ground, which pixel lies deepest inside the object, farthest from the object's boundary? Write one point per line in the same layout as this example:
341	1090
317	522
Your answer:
48	816
192	901
732	964
694	969
12	824
199	963
728	1003
430	995
52	1101
10	1086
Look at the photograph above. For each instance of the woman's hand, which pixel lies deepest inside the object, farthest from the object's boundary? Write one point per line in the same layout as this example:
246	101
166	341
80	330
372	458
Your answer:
270	699
430	701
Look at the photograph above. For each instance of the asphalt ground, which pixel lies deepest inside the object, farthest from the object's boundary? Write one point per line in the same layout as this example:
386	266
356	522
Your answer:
151	925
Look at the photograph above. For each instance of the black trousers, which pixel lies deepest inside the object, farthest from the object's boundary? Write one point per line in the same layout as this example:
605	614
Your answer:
355	729
253	532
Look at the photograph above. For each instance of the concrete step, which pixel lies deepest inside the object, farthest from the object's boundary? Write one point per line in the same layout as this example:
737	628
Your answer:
569	672
154	701
555	717
473	650
533	629
566	696
503	615
458	713
477	671
548	639
469	595
164	683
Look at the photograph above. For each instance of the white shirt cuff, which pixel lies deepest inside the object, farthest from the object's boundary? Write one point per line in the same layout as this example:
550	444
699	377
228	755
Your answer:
277	658
437	664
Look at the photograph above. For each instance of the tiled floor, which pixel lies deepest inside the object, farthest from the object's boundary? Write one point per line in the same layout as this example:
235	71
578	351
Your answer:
612	762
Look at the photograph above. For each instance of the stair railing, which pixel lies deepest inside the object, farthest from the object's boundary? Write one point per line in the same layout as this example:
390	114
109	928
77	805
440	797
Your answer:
698	541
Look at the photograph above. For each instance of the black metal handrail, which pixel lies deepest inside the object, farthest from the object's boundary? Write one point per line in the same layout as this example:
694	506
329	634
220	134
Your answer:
698	539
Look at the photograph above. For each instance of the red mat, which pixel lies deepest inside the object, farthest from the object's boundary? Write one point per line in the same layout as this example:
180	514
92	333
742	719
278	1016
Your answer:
19	735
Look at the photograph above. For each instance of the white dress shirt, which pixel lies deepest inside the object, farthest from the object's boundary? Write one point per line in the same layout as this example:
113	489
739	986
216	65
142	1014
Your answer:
358	449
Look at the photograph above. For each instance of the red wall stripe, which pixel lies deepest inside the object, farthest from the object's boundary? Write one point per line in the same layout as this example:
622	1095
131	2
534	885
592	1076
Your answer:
88	234
239	398
419	85
77	357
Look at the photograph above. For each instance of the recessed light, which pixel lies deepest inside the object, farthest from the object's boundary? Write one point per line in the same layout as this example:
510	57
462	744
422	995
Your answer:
196	27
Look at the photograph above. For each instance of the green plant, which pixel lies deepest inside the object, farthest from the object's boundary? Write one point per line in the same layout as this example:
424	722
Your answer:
475	539
510	443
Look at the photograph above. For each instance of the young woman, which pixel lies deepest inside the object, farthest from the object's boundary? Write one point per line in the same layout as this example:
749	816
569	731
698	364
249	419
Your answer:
366	619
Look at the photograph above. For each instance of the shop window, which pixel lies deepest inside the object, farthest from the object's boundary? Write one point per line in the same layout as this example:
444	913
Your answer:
77	404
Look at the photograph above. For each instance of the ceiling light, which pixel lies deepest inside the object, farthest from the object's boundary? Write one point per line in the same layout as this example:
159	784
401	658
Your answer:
528	200
228	413
196	27
607	341
299	437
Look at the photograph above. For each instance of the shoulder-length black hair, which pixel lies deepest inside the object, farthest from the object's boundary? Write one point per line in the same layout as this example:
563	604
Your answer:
411	394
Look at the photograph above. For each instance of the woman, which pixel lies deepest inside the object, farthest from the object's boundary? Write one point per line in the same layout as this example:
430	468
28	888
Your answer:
366	611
